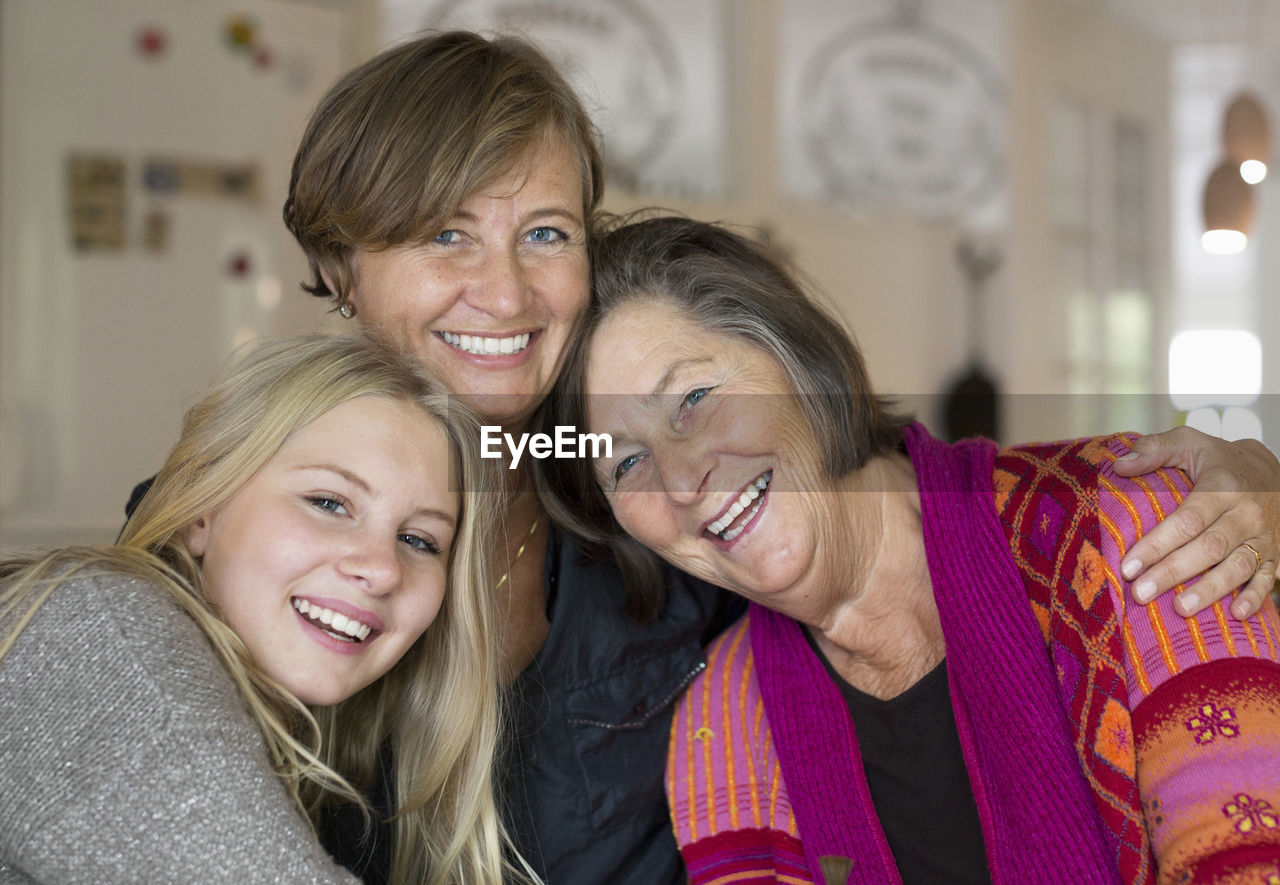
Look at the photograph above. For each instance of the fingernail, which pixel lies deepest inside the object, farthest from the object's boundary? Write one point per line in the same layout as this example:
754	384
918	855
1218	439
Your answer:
1131	568
1144	591
1188	602
1128	456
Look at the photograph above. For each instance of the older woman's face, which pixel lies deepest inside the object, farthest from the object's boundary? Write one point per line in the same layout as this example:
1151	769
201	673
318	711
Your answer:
488	305
714	465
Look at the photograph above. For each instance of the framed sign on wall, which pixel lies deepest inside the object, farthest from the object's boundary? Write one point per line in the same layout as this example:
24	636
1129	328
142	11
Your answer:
894	106
652	73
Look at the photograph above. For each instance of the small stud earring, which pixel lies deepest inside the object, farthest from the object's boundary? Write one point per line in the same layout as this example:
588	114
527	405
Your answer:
347	310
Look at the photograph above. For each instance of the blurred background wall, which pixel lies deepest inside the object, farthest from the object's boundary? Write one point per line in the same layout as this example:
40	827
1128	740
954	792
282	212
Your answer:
996	195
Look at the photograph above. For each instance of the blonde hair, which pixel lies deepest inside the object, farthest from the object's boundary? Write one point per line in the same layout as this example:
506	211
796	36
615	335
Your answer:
401	141
438	705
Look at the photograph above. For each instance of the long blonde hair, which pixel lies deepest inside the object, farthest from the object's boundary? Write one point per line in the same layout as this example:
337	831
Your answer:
438	705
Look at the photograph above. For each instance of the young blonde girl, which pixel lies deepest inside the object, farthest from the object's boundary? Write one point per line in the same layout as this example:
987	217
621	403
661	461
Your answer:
72	818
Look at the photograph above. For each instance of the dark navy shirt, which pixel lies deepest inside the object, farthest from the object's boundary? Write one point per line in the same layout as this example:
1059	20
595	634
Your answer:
588	727
592	717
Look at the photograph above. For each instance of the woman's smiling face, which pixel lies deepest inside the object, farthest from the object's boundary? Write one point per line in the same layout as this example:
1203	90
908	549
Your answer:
714	464
489	304
331	560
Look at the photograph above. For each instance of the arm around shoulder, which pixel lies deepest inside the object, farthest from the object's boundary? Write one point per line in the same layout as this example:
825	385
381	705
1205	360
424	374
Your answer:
1205	699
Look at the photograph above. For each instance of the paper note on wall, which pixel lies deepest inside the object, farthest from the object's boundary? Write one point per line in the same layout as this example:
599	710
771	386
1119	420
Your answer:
96	201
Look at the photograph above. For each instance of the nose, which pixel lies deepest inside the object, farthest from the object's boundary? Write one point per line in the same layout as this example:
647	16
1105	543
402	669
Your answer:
501	285
685	471
372	563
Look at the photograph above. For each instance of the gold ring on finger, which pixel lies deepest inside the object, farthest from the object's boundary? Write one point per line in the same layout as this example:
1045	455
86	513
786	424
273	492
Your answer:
1256	554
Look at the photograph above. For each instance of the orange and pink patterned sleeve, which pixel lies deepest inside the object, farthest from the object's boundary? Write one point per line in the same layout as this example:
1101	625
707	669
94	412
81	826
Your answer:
1205	698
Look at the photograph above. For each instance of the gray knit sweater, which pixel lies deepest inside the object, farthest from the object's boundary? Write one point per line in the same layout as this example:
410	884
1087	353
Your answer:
127	755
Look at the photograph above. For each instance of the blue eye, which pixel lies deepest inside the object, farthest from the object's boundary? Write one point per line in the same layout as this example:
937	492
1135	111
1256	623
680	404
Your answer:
421	544
328	503
624	465
547	235
693	397
447	237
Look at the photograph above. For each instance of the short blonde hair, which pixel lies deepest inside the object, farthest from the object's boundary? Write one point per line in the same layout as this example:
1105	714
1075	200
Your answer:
438	704
399	143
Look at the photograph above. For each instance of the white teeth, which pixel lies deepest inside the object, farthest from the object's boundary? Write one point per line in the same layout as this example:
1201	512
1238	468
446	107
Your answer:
749	494
487	346
335	623
733	533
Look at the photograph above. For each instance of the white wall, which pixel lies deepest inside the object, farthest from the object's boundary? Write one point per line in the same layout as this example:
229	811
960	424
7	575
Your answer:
896	281
100	352
99	355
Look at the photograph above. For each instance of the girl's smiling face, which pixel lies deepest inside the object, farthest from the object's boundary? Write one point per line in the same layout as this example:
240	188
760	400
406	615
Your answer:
331	560
714	464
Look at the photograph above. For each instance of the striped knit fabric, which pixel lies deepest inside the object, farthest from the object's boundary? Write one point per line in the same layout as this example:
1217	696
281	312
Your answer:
1188	785
733	820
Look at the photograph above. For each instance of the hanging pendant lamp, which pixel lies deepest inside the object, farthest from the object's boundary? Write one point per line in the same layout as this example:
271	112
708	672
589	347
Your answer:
1246	138
1228	210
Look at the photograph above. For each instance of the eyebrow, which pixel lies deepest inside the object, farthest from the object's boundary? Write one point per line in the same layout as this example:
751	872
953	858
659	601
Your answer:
356	480
535	215
667	377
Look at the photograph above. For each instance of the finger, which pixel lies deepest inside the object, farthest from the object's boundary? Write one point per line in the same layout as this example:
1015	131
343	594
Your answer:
1237	570
1220	576
1183	544
1253	594
1172	448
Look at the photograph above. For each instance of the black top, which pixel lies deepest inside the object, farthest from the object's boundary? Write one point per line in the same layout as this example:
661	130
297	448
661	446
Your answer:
918	781
592	720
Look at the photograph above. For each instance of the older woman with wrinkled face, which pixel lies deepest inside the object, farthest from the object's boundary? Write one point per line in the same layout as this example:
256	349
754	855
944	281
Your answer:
940	676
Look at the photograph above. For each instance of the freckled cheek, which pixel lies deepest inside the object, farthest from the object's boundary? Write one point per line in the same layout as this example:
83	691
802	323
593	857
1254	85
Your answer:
403	308
566	289
629	513
646	518
425	606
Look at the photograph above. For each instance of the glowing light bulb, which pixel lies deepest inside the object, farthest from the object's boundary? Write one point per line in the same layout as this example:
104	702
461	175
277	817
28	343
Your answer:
1223	242
1253	171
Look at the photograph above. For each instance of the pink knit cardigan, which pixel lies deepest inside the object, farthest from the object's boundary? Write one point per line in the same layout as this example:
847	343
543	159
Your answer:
1057	789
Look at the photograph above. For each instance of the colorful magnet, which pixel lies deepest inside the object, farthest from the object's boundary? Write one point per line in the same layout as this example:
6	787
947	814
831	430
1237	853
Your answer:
160	176
239	265
241	33
151	42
